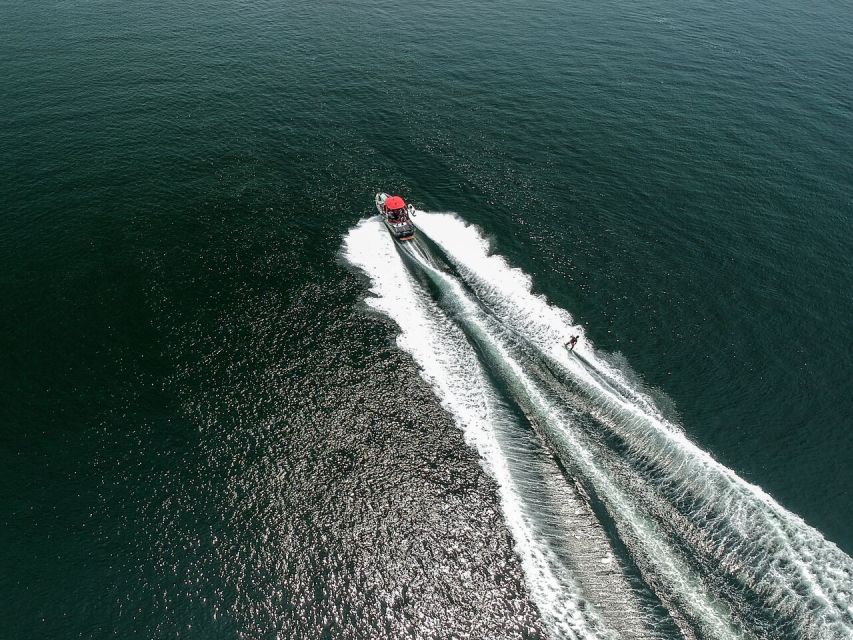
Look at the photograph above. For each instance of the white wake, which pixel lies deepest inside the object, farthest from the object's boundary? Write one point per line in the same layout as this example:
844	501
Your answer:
722	556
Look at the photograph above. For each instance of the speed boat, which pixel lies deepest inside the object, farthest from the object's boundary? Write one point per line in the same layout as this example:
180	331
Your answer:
397	215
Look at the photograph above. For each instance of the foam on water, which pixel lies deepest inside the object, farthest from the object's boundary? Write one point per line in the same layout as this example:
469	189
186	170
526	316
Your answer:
449	363
718	549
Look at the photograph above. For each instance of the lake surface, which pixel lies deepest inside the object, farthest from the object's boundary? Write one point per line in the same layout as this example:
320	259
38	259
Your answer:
232	407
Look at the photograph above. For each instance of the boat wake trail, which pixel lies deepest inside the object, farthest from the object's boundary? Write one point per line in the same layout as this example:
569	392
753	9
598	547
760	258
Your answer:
624	527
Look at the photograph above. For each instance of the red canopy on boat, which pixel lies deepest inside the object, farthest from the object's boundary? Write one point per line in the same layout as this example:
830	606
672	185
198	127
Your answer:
394	202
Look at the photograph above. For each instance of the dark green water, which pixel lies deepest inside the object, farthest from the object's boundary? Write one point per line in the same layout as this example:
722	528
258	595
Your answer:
196	438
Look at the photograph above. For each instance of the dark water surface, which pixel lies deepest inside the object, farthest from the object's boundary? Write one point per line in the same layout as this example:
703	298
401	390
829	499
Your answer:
207	434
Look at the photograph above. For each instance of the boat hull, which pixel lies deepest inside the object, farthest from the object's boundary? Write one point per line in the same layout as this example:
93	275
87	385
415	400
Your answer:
402	231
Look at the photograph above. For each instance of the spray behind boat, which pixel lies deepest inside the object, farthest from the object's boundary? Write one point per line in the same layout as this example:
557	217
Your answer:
397	215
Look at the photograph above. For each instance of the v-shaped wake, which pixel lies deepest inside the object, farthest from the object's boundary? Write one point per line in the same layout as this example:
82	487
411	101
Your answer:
634	531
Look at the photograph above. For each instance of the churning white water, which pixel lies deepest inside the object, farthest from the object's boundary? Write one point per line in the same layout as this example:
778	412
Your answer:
635	496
